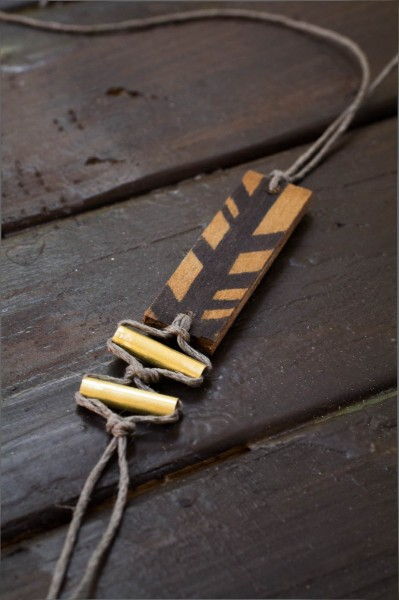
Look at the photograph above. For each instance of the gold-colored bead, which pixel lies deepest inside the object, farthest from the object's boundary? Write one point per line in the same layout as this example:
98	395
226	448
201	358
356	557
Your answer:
125	397
156	353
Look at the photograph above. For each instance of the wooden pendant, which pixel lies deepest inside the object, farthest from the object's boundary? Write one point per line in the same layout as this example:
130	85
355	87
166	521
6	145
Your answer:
220	272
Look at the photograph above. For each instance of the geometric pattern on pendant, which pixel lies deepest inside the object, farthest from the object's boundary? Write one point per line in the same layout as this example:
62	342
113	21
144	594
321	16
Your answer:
217	276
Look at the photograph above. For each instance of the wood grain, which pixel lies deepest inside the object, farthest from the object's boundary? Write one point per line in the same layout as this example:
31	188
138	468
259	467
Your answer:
219	274
109	117
309	514
317	334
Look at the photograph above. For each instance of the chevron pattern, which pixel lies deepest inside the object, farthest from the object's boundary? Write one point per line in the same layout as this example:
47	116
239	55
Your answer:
218	275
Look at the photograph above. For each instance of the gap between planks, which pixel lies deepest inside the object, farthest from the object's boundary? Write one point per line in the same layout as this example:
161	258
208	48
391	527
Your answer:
170	178
271	441
100	187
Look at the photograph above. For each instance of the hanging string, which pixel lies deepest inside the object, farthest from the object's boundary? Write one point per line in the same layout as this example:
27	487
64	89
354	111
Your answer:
312	157
307	161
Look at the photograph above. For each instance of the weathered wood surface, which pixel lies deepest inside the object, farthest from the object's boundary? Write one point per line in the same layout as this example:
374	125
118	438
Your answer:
107	117
219	274
309	514
318	333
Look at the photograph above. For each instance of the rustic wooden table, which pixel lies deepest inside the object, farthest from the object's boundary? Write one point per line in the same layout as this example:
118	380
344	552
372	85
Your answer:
280	480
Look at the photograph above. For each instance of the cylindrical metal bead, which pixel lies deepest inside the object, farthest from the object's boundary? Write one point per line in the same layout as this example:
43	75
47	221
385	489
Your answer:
125	397
156	353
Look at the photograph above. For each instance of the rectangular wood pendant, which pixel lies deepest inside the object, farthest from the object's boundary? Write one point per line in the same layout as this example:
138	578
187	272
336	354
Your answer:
220	272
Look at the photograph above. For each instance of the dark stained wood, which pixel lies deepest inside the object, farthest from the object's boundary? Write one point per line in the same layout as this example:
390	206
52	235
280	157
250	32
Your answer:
309	514
218	275
108	117
319	332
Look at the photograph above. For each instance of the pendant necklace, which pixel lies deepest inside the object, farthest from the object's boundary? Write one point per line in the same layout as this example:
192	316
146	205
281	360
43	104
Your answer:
204	294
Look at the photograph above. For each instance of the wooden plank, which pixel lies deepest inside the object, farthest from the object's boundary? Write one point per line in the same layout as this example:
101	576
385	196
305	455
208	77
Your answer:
71	149
221	271
309	514
319	332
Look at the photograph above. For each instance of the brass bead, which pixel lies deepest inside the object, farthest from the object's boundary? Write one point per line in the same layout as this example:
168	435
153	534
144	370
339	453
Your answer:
156	353
125	397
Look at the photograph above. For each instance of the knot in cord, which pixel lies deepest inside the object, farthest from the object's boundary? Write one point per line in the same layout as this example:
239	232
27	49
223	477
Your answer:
118	426
180	326
179	332
115	425
277	178
146	375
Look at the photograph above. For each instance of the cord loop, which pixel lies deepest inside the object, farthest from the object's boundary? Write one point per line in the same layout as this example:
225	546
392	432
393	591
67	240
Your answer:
118	426
147	375
277	178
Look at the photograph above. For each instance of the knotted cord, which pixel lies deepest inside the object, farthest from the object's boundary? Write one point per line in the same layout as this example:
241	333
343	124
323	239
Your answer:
119	427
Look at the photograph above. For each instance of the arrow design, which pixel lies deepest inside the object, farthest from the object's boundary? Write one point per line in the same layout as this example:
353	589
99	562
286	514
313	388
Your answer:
220	272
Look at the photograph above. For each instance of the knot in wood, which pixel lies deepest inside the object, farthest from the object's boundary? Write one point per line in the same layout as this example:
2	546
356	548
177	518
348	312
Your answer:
118	426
